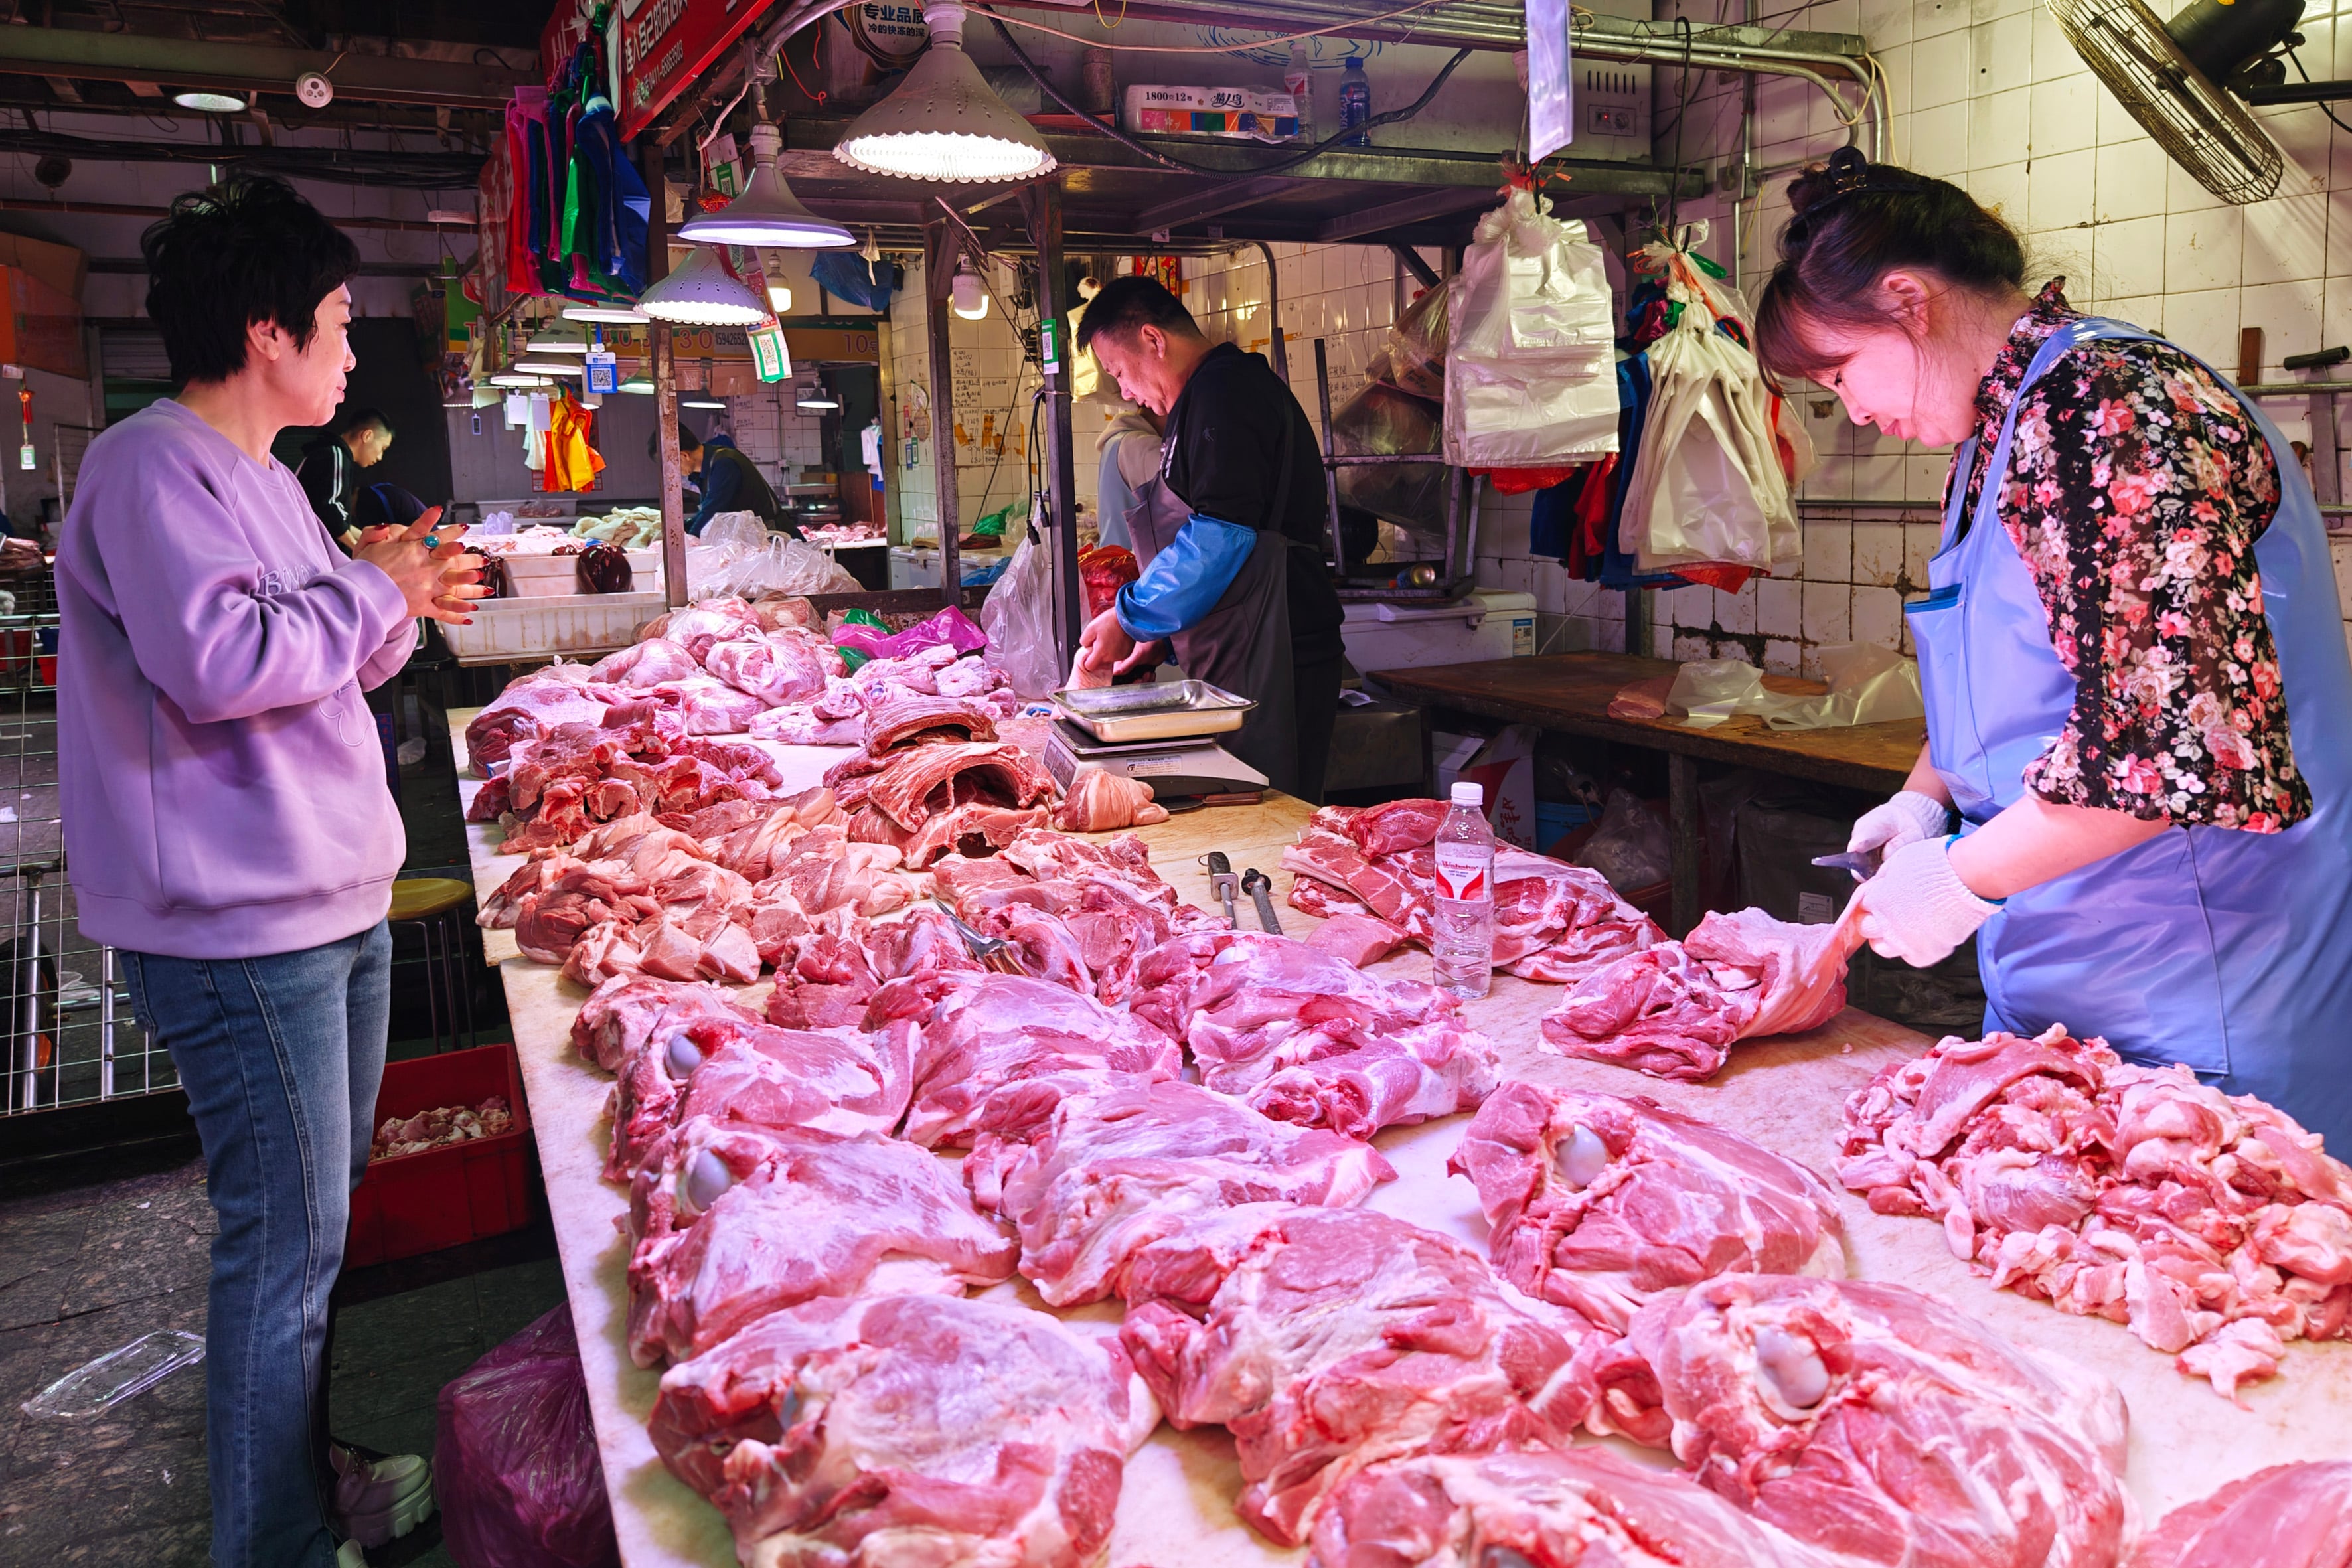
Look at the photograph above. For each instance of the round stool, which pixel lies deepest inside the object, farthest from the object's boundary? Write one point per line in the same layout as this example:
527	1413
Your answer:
437	907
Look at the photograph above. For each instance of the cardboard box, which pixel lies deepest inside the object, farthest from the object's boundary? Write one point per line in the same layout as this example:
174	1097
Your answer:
1504	764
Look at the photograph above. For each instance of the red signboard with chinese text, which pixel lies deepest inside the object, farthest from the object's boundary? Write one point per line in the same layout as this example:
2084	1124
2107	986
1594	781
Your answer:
666	45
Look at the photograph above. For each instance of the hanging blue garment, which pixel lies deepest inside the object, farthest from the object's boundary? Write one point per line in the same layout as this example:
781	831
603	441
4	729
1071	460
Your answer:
2226	950
623	205
850	275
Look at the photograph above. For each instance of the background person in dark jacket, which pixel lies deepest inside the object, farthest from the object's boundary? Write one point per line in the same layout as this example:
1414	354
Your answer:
328	471
729	480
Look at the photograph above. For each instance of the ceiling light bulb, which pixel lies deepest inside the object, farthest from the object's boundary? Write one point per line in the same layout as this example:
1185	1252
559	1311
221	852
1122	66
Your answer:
619	311
210	103
516	378
943	121
779	295
967	296
817	399
767	213
703	293
543	364
700	403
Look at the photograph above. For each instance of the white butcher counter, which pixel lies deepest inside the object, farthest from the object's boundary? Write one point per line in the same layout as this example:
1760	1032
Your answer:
1176	1509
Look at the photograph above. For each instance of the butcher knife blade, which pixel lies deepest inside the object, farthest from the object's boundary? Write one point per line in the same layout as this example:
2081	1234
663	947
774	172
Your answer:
1222	886
1254	883
1862	863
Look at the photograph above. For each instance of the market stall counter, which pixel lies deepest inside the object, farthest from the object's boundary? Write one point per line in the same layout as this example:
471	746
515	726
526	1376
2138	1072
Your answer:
1176	1504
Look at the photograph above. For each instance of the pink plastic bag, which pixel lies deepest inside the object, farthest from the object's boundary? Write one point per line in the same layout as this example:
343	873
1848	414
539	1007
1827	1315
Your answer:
950	626
515	1468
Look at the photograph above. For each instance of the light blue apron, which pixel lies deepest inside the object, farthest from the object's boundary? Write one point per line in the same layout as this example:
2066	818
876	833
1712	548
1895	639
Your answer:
2226	950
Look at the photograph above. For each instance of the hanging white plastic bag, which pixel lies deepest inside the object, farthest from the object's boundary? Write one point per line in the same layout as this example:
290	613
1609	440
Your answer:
1710	483
1530	366
1018	616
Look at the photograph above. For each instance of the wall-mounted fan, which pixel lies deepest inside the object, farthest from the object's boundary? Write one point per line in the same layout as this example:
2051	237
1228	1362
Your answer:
2182	80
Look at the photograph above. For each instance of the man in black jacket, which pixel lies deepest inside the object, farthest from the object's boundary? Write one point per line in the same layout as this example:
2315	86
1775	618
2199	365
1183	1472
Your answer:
328	471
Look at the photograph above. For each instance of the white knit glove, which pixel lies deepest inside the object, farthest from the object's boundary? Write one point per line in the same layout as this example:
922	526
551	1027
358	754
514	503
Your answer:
1905	817
1917	909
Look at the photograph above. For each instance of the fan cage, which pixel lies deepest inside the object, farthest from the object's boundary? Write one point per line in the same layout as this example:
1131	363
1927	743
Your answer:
2205	130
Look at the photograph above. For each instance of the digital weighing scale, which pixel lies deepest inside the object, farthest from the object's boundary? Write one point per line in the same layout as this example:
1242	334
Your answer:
1162	736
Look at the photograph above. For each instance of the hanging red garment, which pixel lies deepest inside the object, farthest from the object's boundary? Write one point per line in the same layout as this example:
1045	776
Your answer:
572	460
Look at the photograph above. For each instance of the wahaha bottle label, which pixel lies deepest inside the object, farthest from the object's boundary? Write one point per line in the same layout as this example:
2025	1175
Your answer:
1461	872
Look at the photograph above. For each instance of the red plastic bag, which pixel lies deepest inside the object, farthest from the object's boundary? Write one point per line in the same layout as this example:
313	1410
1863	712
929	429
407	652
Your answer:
515	1468
1104	570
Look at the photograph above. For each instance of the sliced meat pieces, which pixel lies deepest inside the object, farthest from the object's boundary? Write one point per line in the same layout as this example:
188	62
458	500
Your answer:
1304	1035
2289	1516
992	1044
1875	1421
902	723
905	1430
783	1216
1120	1168
1331	1339
1604	1202
1359	939
1660	1011
1579	1507
1098	802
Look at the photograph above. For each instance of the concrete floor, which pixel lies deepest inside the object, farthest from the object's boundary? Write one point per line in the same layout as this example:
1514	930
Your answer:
115	1244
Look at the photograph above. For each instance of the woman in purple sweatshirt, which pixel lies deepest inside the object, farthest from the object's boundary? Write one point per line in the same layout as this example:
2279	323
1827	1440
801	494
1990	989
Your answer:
229	827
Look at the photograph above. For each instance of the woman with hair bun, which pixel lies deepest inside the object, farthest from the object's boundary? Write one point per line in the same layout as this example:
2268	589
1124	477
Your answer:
2132	648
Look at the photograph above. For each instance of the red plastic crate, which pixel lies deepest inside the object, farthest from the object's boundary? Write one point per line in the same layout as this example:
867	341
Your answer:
443	1197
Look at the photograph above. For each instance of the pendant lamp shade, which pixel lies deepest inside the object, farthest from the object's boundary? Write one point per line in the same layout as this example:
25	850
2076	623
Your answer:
767	213
618	312
943	121
703	293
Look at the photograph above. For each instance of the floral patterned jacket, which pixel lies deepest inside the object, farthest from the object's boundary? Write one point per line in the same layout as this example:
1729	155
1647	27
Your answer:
2135	490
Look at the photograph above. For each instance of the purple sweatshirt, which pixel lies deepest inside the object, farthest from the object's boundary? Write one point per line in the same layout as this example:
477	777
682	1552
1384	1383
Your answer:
220	774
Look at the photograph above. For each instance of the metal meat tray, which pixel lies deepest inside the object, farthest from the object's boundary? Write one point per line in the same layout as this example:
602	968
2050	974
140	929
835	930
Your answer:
1163	711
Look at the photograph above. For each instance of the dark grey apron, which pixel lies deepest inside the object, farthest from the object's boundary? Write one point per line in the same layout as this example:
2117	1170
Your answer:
1244	644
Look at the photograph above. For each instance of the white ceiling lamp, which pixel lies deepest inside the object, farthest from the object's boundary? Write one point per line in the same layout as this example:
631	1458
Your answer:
547	364
814	395
967	295
767	213
207	101
518	379
703	293
552	339
615	313
642	386
943	121
700	403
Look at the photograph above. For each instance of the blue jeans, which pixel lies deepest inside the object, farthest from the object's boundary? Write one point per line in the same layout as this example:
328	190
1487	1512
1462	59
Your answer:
281	1057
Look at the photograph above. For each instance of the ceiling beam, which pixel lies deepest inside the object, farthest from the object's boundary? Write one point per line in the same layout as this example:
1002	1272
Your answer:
1225	197
1394	215
112	209
250	67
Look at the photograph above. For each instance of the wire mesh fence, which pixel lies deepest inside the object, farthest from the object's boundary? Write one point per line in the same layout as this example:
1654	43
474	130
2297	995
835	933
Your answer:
67	1034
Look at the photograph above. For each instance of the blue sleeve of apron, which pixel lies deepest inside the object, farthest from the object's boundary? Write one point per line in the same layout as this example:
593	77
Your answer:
1185	581
718	487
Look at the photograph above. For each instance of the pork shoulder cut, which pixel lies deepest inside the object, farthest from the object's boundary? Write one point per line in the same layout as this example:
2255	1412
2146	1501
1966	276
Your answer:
901	1430
995	1046
2289	1516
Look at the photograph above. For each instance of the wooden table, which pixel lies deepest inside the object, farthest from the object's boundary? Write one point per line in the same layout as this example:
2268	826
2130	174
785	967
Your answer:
1570	693
1176	1505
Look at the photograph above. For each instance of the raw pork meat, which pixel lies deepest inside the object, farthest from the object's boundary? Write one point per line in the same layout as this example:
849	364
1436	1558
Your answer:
1579	1507
824	978
1359	939
1603	1203
1098	802
1307	1037
707	705
925	941
931	781
800	724
1123	1167
974	826
908	1430
782	1217
995	1043
531	707
2289	1516
905	723
1393	827
1878	1422
703	623
776	668
622	1015
1798	971
1331	1339
2213	1225
648	662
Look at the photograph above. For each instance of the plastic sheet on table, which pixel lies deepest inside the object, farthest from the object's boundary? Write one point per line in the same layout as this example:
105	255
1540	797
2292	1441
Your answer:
1868	685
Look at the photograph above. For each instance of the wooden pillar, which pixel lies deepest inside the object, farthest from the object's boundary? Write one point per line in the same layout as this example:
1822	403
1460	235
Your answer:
1041	204
940	252
665	373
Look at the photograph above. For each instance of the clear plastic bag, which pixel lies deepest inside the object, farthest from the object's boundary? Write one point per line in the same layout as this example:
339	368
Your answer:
1868	685
784	565
742	532
1530	370
1018	616
97	1386
1630	847
1416	346
515	1466
1381	421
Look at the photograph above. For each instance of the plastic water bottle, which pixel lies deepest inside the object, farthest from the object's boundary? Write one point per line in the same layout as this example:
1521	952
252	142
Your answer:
1462	947
1298	80
1355	102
